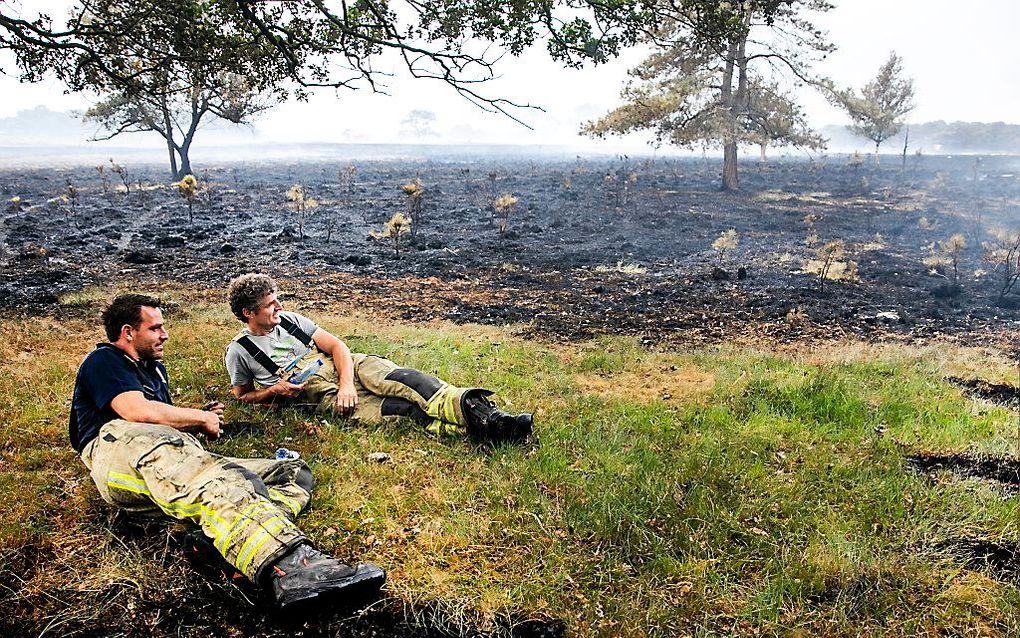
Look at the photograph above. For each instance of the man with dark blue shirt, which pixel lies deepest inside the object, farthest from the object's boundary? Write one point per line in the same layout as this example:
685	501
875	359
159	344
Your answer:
142	458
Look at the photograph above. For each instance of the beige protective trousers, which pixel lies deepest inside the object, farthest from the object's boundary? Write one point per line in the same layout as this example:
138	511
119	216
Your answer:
387	391
246	506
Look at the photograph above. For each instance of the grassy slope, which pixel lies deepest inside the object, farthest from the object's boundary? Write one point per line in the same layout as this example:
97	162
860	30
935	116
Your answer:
767	493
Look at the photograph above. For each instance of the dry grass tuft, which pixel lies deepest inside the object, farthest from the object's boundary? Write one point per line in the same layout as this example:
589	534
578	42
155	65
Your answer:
622	268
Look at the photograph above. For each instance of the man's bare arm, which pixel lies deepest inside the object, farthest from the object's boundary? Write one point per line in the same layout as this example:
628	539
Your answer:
250	394
133	406
340	353
347	395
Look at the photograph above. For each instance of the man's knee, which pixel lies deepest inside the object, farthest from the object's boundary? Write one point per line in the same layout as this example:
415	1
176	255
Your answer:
425	385
253	479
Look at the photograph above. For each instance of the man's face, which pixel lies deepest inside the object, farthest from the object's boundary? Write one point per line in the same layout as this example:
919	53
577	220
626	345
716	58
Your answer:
150	334
267	314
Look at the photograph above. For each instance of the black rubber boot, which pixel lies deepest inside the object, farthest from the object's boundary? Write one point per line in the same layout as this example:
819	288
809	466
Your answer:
489	423
307	576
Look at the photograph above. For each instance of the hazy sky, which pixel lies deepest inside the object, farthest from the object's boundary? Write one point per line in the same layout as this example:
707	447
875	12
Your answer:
962	56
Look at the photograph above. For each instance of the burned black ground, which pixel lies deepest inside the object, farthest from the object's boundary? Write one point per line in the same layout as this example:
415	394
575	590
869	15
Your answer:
999	560
1002	471
1008	396
593	247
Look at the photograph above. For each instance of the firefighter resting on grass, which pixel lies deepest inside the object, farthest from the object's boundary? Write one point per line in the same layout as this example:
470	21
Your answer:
139	451
367	388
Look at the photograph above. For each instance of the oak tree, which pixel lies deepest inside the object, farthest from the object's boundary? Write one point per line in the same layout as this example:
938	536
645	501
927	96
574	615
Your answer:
156	66
774	118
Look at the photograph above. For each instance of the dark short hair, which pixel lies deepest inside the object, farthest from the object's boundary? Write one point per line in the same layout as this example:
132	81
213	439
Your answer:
126	310
246	291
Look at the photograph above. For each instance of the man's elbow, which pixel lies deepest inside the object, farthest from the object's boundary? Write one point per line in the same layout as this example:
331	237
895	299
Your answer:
245	394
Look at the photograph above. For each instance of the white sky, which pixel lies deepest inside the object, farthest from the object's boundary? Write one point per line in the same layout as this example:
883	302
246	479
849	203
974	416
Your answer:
962	56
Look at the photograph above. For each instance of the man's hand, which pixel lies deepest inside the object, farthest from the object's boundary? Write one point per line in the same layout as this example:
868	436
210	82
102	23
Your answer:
214	406
346	399
213	424
346	395
285	388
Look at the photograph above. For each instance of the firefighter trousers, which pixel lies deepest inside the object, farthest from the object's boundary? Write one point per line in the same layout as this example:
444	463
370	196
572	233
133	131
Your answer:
387	391
246	506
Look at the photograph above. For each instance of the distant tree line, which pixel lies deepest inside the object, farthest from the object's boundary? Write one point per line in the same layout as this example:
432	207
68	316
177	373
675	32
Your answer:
941	137
955	137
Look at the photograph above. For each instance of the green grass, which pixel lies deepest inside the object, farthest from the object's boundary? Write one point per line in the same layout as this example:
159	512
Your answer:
774	499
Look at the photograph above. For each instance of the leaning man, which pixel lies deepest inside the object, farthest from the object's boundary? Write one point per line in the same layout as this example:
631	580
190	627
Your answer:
262	357
138	448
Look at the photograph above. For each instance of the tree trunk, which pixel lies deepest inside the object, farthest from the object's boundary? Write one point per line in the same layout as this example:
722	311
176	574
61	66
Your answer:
173	159
729	177
877	144
185	163
168	135
729	174
906	141
764	159
198	109
184	151
736	104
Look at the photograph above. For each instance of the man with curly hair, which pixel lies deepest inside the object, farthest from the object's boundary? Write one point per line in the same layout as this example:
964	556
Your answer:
274	343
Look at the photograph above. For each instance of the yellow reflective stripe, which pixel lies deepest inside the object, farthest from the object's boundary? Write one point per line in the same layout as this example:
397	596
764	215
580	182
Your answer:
434	407
129	483
451	408
440	428
248	551
443	404
242	521
293	504
256	540
191	509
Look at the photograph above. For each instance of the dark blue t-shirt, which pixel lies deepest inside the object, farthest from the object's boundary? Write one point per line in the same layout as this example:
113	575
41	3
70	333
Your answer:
105	373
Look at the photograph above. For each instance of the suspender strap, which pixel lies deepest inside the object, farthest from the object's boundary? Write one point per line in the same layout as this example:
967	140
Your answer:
258	354
295	331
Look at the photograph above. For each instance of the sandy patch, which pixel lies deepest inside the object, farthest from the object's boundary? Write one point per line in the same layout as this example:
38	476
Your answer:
649	385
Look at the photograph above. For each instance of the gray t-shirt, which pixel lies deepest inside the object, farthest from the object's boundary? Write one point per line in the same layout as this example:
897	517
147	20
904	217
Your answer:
280	345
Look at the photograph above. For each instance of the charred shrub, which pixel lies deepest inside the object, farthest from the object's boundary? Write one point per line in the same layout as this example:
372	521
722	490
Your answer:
395	228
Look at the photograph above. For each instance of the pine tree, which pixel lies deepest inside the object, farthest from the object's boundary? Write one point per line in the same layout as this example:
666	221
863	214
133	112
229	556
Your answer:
707	84
877	112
